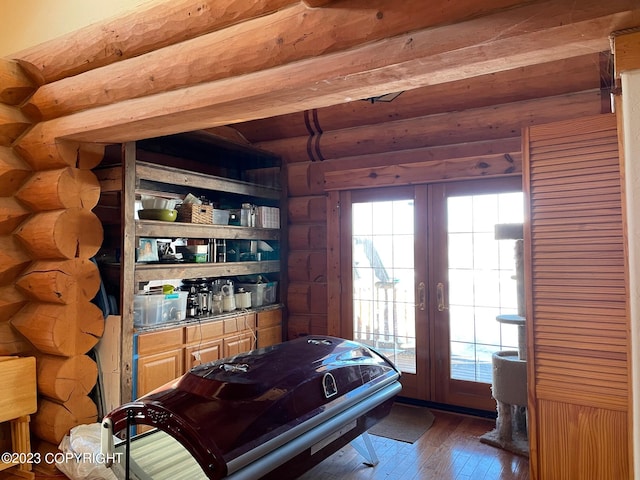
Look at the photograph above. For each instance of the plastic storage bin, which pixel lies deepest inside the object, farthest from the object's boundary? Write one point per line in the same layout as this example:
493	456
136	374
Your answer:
261	293
154	309
220	217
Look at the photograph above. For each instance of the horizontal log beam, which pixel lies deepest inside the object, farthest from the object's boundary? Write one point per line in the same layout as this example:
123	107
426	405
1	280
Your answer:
305	179
136	33
63	282
245	48
13	171
51	152
60	188
15	85
12	124
400	63
500	121
424	172
570	75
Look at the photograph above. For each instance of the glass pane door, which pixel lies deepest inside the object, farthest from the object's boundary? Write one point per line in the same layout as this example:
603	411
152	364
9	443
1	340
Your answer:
482	285
383	279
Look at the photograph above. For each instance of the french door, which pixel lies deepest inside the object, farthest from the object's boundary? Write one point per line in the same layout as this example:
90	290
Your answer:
428	279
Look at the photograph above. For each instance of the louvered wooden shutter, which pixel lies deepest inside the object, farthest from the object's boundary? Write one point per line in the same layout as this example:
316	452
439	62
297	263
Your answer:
576	305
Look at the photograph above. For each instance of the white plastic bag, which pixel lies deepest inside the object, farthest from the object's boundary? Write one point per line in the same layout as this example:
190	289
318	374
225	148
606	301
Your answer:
81	458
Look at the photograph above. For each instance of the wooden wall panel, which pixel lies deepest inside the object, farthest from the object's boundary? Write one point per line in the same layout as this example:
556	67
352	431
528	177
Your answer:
582	440
577	309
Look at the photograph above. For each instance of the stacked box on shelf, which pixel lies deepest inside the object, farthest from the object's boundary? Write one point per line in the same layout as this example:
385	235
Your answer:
192	213
267	217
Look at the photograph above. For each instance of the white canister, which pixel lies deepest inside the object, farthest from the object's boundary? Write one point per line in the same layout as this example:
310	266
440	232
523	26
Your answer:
243	299
228	303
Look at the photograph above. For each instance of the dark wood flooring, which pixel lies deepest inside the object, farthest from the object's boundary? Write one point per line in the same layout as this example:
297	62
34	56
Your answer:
449	450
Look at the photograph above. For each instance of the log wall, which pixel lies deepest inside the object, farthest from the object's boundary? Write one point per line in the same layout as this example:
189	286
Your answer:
48	233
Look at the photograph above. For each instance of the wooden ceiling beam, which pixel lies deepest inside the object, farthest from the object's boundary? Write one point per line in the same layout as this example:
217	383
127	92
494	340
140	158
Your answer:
286	36
535	81
137	32
473	125
626	49
542	33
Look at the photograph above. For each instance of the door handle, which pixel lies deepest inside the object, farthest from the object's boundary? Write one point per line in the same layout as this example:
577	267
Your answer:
421	296
440	297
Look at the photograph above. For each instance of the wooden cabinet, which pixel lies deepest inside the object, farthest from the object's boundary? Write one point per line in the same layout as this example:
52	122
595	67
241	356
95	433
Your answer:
203	343
164	355
158	369
160	359
269	327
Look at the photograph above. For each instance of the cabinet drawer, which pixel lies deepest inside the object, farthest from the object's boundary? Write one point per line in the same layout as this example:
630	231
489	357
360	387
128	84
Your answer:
240	323
269	318
204	332
160	341
199	354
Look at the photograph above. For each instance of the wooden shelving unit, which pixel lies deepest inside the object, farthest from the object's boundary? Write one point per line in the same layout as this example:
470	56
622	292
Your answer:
144	176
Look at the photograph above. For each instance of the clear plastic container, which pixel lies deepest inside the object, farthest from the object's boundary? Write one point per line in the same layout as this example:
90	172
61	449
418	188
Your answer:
261	293
155	309
220	217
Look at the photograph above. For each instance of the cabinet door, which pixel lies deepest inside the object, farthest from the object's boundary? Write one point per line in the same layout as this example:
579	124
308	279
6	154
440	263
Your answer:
269	327
158	369
199	354
269	336
240	323
235	344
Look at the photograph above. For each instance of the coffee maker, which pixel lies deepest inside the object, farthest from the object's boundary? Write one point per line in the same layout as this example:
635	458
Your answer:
199	297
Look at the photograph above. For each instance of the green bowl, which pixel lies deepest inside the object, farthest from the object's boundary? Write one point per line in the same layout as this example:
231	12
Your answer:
158	214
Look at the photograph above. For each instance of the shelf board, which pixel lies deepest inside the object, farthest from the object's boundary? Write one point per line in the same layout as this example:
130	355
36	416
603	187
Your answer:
184	178
159	229
145	272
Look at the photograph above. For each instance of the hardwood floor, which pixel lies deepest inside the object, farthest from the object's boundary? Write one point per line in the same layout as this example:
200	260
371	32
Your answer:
450	450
